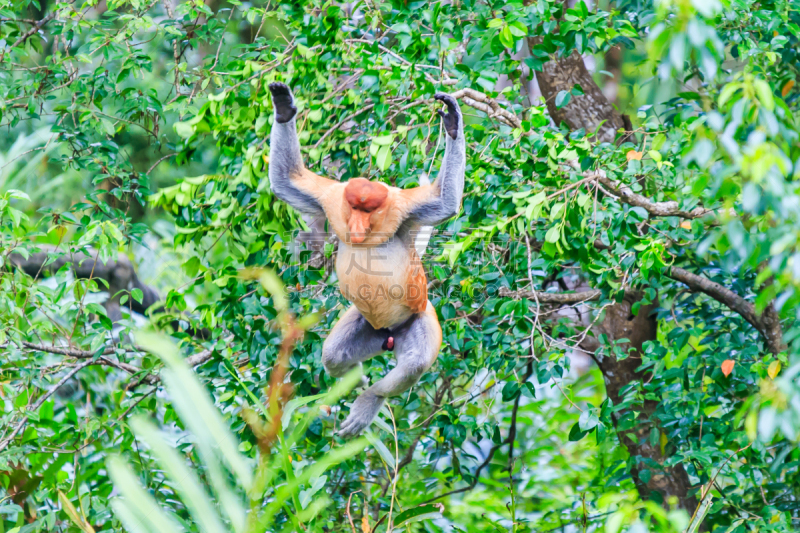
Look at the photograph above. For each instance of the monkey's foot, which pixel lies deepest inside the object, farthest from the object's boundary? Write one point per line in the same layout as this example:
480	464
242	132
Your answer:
450	118
362	413
283	101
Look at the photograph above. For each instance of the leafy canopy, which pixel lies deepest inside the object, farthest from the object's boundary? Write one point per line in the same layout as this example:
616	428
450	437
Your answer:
136	158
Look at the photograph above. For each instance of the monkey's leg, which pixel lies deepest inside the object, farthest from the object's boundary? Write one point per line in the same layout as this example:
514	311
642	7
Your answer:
351	341
417	344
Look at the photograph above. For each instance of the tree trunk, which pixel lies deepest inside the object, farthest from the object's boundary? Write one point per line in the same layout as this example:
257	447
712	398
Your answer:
588	111
620	323
584	111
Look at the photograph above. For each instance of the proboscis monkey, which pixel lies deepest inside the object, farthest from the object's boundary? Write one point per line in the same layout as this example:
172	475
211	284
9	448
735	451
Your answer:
378	268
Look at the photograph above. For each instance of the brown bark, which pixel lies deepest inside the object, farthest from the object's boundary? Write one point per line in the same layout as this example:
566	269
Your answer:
120	275
585	111
560	298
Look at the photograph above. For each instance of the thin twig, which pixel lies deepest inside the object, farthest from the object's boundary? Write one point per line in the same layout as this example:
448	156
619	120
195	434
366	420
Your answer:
347	511
24	37
41	400
159	161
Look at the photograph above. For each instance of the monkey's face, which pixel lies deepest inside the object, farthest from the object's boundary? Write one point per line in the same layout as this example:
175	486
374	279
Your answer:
364	205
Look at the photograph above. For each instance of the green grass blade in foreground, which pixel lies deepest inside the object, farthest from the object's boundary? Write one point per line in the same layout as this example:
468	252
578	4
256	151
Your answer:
211	437
340	389
330	459
292	405
138	510
184	480
381	448
416	514
195	407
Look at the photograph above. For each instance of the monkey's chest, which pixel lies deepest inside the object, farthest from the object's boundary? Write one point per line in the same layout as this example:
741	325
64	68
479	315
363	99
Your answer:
386	283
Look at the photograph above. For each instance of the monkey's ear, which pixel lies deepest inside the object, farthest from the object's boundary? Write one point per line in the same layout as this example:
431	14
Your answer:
283	100
453	115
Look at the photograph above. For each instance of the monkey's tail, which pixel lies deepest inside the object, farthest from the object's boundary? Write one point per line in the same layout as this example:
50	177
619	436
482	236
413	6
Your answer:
424	235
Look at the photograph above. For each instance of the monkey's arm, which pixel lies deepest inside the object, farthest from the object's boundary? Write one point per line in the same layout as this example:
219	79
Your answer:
433	204
288	177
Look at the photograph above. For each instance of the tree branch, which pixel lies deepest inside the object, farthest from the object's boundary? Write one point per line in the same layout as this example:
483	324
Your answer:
481	102
193	360
657	209
120	276
24	420
628	196
512	435
551	297
151	379
25	36
767	323
512	432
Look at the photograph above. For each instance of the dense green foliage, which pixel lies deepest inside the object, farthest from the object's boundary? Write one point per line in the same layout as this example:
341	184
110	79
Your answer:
140	128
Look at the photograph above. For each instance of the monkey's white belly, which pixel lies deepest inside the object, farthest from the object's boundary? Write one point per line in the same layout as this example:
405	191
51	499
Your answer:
375	279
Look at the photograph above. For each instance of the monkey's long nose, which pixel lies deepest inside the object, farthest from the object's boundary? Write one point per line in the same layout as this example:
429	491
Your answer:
358	226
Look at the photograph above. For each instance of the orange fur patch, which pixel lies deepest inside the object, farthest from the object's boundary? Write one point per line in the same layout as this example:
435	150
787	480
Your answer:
417	287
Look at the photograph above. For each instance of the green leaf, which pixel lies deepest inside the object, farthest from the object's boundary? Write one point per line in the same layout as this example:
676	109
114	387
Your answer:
315	115
510	391
416	514
137	295
575	434
292	405
76	518
316	485
562	99
518	29
384	158
196	409
654	155
588	420
764	93
728	91
506	38
184	480
19	195
383	140
137	509
334	457
553	234
108	126
381	448
184	129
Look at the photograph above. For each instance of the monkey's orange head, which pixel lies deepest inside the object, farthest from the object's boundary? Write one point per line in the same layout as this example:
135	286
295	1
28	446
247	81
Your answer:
365	199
